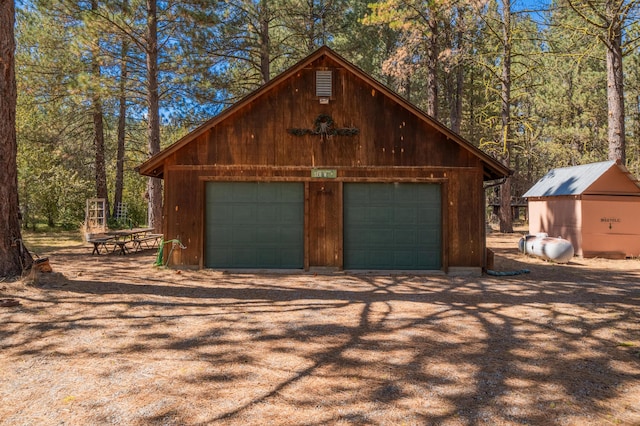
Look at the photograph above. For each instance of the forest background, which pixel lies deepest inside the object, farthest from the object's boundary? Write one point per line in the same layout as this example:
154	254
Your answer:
102	85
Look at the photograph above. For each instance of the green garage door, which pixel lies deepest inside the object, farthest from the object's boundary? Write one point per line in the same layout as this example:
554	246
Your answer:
254	225
392	226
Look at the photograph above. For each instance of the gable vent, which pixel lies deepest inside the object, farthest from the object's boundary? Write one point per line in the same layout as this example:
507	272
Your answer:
323	84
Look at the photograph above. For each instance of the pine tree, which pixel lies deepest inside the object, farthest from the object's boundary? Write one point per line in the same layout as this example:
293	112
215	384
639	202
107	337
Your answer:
609	22
10	235
154	186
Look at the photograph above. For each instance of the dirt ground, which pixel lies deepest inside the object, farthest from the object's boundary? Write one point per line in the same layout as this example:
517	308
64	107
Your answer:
114	340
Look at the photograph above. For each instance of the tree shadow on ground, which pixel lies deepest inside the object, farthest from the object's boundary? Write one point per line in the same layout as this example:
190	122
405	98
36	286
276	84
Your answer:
361	349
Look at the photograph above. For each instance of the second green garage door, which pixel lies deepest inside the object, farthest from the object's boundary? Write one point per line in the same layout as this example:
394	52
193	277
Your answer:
254	225
392	226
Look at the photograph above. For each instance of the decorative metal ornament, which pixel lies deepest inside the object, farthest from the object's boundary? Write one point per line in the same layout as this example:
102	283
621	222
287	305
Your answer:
324	127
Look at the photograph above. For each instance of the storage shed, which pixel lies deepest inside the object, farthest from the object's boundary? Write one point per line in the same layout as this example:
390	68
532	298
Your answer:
595	206
324	167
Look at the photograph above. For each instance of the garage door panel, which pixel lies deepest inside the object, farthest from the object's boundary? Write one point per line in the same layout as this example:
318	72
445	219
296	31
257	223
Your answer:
268	214
358	256
379	215
265	257
242	214
268	194
433	254
243	235
221	215
255	225
406	215
289	258
222	193
378	259
224	235
290	234
292	213
290	191
408	236
243	257
405	259
381	197
264	237
428	237
356	211
218	255
358	198
392	226
240	191
382	237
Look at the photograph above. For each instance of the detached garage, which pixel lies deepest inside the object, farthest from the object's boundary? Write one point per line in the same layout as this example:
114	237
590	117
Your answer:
324	167
595	206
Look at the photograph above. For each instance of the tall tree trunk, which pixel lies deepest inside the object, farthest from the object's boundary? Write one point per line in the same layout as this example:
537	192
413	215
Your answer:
456	116
450	92
265	42
311	41
10	260
406	84
475	139
432	69
98	141
506	220
122	121
154	185
122	118
615	89
98	126
609	25
454	76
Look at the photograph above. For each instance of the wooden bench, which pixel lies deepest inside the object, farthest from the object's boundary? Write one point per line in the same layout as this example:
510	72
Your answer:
149	240
100	241
120	246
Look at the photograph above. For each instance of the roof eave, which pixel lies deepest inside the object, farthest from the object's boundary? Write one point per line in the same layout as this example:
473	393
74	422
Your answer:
151	169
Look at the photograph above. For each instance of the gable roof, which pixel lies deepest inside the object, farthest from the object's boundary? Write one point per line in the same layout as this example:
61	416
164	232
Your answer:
574	180
154	166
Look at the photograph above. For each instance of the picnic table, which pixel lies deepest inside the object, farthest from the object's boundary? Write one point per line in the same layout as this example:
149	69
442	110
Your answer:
123	241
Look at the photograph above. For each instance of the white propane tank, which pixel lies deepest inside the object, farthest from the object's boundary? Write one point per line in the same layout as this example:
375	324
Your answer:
556	249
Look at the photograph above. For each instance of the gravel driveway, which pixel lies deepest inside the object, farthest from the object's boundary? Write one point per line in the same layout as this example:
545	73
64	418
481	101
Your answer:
114	340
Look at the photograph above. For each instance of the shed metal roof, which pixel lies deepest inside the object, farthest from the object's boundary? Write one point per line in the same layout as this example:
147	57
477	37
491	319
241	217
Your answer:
569	180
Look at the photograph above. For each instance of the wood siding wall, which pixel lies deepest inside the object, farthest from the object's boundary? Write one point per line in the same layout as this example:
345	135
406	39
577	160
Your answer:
389	134
463	221
393	145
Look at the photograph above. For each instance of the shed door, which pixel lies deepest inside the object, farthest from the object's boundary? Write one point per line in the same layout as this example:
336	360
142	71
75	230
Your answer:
254	225
392	226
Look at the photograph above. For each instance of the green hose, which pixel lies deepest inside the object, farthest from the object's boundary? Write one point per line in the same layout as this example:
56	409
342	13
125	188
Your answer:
507	273
158	261
160	254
